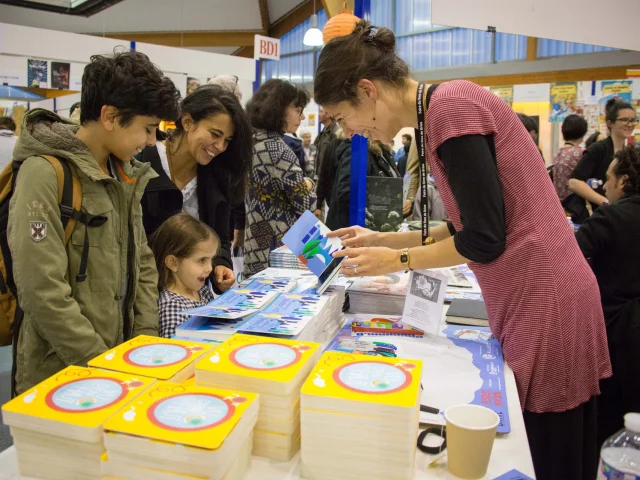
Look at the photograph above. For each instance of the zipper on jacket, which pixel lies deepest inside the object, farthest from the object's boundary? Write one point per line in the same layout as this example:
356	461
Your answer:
128	301
121	194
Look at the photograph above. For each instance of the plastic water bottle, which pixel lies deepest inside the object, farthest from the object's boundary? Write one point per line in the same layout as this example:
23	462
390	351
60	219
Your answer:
594	183
404	227
620	454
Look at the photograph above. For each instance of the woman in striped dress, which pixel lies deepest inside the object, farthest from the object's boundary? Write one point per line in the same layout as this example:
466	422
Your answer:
506	222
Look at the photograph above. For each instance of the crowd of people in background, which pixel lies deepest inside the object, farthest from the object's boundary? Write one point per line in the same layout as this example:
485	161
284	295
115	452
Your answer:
162	212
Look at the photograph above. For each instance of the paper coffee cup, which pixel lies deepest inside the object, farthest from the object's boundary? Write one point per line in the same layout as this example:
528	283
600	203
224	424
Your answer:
471	430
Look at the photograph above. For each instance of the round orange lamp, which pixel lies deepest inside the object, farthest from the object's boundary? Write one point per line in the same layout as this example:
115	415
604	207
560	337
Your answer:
339	25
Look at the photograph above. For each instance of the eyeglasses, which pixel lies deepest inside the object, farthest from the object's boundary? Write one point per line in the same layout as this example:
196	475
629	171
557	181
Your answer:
627	121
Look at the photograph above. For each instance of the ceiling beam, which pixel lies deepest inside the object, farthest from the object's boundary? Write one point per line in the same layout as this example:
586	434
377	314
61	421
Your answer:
230	38
264	15
246	52
292	19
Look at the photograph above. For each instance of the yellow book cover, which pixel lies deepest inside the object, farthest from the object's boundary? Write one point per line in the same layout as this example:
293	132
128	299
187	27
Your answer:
201	417
154	357
84	397
265	358
362	378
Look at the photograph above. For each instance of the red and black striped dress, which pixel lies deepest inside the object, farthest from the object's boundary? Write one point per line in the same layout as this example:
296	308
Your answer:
541	295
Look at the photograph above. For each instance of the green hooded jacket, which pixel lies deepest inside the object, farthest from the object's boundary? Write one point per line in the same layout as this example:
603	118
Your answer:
68	322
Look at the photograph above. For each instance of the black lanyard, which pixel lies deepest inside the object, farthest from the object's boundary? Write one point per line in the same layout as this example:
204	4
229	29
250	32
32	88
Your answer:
422	157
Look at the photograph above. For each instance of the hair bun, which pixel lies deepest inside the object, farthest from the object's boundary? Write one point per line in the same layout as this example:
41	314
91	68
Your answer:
612	102
382	38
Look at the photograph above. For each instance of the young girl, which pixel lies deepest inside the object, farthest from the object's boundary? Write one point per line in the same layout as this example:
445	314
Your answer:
184	248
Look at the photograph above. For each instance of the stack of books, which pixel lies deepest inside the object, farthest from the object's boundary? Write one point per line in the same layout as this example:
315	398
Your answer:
175	431
273	368
384	295
57	425
283	257
379	398
224	316
161	358
299	316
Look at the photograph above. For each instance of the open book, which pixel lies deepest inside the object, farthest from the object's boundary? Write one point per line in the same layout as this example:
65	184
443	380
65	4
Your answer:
307	239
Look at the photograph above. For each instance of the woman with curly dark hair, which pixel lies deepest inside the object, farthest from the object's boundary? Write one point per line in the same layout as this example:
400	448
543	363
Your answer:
278	192
611	239
202	170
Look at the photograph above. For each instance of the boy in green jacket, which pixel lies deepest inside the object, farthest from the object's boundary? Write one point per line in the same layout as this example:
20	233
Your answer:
69	318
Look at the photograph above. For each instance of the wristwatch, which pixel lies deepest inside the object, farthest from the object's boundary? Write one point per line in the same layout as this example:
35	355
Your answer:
405	259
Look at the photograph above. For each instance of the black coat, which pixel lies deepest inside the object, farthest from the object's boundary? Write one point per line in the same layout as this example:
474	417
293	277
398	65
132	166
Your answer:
594	163
162	199
378	165
295	144
610	238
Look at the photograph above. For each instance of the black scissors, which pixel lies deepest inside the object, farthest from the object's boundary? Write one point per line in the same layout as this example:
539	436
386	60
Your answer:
438	431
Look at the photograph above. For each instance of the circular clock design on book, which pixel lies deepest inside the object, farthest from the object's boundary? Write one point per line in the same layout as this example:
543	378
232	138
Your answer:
86	395
190	412
157	355
265	356
372	377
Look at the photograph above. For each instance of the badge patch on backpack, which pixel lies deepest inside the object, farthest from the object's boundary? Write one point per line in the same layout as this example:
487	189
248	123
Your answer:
38	231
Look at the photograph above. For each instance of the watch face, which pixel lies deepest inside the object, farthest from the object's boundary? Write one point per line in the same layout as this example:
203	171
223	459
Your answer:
404	258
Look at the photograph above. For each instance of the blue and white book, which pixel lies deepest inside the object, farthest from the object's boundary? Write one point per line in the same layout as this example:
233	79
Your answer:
307	239
234	304
288	315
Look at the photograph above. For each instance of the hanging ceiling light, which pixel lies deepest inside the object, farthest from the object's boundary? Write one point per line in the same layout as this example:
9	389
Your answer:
313	37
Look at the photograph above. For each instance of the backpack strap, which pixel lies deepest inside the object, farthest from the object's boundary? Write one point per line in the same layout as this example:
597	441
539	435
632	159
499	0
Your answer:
69	193
70	203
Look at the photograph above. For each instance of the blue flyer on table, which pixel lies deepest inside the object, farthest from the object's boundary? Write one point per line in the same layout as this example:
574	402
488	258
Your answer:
236	303
513	475
287	315
307	239
487	357
208	329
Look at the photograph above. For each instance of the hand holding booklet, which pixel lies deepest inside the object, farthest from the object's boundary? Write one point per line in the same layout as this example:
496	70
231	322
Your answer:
307	239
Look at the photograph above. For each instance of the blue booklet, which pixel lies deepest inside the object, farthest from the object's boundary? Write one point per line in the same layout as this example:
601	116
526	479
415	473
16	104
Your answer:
234	304
287	315
307	239
208	329
278	284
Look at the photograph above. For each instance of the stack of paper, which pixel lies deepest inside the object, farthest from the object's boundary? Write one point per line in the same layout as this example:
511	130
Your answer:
172	431
57	425
384	295
273	368
359	418
283	257
161	358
